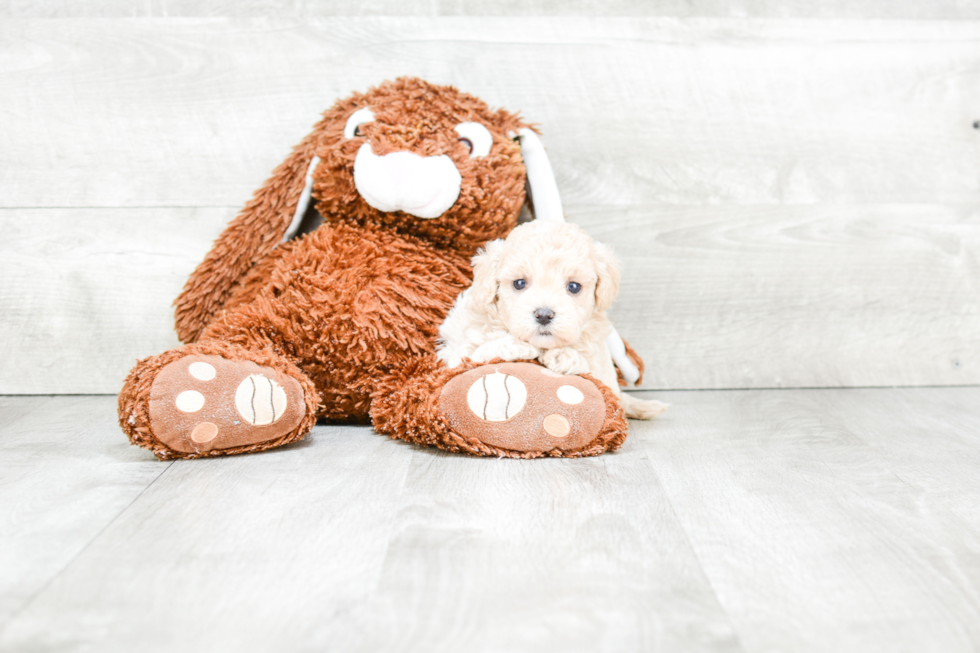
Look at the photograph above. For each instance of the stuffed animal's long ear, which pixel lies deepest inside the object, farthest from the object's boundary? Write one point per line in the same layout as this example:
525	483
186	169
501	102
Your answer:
486	264
257	229
628	362
607	269
541	185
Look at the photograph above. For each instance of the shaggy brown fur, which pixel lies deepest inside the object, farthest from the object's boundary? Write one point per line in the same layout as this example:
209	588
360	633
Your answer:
412	413
352	309
134	415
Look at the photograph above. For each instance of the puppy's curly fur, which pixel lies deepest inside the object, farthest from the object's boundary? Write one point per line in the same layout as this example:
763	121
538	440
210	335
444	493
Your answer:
541	294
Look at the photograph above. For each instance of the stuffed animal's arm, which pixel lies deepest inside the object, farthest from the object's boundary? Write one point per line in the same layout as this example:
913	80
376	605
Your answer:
255	232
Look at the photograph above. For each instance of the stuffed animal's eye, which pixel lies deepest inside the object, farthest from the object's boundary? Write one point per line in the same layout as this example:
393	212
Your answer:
574	287
476	137
520	284
358	118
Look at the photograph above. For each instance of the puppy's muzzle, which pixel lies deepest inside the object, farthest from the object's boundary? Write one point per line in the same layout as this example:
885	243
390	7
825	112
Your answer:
544	316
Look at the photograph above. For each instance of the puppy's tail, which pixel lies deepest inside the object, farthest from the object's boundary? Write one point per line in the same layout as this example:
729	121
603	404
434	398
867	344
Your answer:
641	408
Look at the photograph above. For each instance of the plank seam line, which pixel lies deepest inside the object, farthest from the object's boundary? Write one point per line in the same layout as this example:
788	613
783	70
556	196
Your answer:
120	208
630	391
393	520
687	538
27	604
805	387
14	421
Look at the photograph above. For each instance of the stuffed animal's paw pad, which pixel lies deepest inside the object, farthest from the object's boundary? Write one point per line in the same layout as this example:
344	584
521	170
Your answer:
204	432
569	394
496	397
556	426
202	371
200	403
260	400
523	407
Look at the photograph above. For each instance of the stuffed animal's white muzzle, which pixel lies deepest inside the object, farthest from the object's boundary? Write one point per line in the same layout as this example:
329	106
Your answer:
424	186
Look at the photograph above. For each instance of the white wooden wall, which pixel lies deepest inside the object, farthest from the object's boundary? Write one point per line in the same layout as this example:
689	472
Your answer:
929	9
795	197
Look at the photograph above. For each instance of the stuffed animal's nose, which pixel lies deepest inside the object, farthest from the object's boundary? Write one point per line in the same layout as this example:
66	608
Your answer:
423	186
544	315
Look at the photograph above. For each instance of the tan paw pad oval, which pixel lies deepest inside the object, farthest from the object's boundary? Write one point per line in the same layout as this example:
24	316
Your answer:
556	426
204	432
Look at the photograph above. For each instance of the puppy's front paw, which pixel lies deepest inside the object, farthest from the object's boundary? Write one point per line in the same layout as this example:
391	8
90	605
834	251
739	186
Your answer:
508	348
565	360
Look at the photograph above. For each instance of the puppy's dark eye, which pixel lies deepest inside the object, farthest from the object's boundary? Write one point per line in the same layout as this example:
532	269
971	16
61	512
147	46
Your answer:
467	143
357	131
520	284
574	287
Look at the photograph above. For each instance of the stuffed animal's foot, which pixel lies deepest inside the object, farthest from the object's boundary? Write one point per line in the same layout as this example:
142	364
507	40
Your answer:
202	403
523	408
209	405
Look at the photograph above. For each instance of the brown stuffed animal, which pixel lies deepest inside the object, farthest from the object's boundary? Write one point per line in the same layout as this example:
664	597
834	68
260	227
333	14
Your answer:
340	323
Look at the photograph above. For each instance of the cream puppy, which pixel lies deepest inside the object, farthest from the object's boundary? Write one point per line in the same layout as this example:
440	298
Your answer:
541	294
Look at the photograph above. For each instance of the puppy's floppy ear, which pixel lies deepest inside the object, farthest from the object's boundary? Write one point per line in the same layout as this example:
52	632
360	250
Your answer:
486	264
607	269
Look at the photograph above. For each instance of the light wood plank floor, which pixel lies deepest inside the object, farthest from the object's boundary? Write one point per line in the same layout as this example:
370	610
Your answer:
783	520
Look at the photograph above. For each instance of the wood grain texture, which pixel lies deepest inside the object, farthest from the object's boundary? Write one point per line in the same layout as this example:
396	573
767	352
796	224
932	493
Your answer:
12	408
353	542
917	9
65	474
196	112
794	199
798	296
490	556
300	536
816	540
781	520
86	292
795	296
947	466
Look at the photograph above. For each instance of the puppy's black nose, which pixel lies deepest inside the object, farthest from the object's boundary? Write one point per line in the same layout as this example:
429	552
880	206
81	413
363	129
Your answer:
544	315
